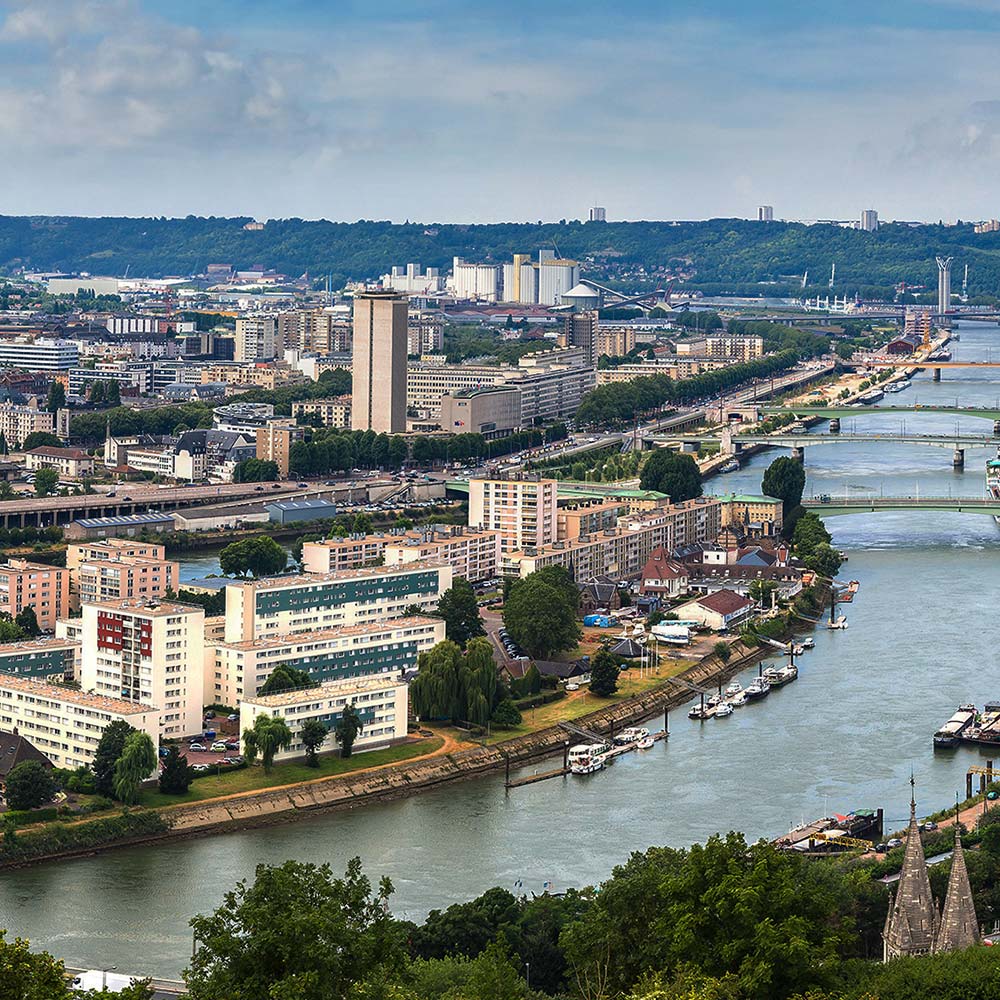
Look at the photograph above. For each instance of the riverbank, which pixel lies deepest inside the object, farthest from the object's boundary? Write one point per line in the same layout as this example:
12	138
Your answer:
267	807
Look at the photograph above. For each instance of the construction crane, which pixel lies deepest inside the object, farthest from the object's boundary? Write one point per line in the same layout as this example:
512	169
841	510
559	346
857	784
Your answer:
861	845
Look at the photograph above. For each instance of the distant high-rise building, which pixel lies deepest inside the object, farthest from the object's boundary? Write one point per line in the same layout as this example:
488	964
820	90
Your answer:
765	213
869	220
598	215
944	284
379	365
255	338
580	330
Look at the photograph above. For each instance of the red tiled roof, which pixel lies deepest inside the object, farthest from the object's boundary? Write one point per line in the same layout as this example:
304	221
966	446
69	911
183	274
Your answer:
724	602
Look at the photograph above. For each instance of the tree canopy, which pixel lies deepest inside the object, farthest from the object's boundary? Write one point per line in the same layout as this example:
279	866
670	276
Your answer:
29	785
268	735
460	610
260	556
785	479
286	678
672	473
457	686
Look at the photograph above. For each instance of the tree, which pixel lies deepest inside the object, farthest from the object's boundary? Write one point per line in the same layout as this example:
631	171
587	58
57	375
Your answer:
109	749
136	763
722	651
29	785
40	439
362	524
603	674
460	611
672	473
46	481
296	933
785	479
506	715
255	470
286	678
261	556
809	532
56	399
175	778
347	729
313	734
268	735
113	393
28	975
824	560
4	449
540	617
761	591
27	621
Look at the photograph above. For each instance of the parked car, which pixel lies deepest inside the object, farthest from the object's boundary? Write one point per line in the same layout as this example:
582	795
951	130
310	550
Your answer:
895	842
197	748
219	746
163	751
200	767
233	717
209	715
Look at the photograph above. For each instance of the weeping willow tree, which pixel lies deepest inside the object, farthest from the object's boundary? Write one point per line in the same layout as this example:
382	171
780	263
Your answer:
456	686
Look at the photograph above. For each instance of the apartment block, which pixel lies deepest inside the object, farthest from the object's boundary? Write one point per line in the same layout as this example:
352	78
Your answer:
40	659
352	552
742	348
237	670
588	517
66	725
308	330
275	440
379	370
763	515
522	510
255	338
279	605
70	463
615	341
25	584
472	553
381	703
256	376
123	578
334	412
147	651
18	421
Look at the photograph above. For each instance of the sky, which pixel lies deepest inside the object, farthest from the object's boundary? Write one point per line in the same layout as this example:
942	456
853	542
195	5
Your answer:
444	111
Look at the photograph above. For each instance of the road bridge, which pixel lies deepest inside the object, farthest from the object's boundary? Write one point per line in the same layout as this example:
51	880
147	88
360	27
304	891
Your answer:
840	412
837	506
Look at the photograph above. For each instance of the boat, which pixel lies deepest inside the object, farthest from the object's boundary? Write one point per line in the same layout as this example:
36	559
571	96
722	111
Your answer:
779	676
896	386
808	642
714	700
840	623
634	734
951	733
724	710
586	758
734	689
646	743
738	700
701	712
733	465
758	688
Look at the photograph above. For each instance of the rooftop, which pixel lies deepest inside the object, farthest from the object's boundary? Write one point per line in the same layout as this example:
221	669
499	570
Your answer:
123	520
747	498
150	607
10	682
328	689
360	573
46	451
724	602
301	505
325	634
28	645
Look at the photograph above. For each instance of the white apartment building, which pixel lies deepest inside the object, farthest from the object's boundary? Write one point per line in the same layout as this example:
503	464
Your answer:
741	348
17	422
237	670
479	282
279	605
64	724
147	651
39	354
334	412
523	511
255	338
381	703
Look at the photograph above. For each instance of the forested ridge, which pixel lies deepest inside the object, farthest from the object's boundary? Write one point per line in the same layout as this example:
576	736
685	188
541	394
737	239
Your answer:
724	254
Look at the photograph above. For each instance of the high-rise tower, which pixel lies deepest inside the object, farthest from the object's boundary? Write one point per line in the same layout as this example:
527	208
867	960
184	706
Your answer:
944	284
379	364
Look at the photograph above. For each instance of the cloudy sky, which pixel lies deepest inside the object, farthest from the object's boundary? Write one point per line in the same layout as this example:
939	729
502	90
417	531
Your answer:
441	110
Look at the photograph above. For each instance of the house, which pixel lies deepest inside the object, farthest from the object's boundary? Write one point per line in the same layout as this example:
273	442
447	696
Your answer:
599	593
718	611
72	463
14	750
663	576
577	671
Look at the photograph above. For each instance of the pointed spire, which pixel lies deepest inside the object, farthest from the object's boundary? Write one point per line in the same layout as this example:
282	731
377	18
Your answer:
959	928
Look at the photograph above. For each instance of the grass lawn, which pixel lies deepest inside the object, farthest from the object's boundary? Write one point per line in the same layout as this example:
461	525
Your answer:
251	779
582	702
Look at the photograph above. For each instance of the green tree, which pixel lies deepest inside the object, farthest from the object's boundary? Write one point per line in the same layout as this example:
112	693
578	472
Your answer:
603	674
672	473
56	399
29	785
723	651
761	591
296	933
28	975
113	392
313	735
175	778
438	692
136	763
261	556
286	678
255	470
46	481
40	439
539	616
824	560
506	715
346	731
785	479
268	735
809	532
27	621
362	524
109	749
460	611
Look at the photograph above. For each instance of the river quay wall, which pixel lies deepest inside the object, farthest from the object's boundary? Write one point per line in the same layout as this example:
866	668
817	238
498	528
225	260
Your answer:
393	781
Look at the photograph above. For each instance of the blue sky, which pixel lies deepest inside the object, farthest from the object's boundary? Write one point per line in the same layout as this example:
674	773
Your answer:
449	111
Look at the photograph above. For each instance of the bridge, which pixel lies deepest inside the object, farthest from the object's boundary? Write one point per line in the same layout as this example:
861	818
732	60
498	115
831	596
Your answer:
837	506
839	412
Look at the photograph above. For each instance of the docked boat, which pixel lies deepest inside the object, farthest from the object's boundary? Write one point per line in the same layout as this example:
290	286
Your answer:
758	688
840	623
896	386
634	734
737	700
724	710
701	712
646	743
808	642
714	700
778	676
586	758
951	733
733	465
734	689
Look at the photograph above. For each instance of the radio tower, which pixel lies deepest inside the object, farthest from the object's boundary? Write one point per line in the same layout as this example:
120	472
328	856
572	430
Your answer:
944	284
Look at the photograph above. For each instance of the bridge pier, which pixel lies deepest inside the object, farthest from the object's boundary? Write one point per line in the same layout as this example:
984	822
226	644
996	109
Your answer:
996	426
937	375
799	455
835	425
958	459
690	447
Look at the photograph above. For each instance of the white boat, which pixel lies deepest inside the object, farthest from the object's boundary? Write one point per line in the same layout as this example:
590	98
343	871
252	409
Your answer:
714	700
701	713
738	700
646	743
733	465
724	710
586	758
840	623
734	689
808	642
631	735
758	688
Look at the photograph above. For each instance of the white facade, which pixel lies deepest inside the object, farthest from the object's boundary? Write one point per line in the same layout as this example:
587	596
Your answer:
64	724
479	282
869	220
255	338
556	276
148	651
39	355
410	280
382	704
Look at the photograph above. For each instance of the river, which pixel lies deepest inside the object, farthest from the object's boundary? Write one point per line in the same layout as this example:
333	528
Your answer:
923	637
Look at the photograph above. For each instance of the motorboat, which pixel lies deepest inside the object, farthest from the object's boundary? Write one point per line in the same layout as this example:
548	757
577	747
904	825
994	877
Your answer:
738	700
734	689
808	642
758	688
777	676
646	743
733	465
714	700
701	712
586	758
631	735
724	710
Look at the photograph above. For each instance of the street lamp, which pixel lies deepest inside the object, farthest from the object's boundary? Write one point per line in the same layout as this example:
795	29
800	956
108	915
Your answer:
104	975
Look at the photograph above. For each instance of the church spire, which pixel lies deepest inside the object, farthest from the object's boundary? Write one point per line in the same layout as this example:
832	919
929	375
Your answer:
959	928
